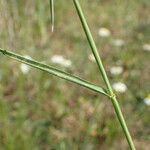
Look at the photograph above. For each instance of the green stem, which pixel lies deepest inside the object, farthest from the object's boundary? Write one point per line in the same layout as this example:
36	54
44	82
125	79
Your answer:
54	71
92	44
103	73
52	13
123	123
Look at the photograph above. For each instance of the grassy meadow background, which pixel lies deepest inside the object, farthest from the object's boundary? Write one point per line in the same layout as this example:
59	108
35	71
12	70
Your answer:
42	112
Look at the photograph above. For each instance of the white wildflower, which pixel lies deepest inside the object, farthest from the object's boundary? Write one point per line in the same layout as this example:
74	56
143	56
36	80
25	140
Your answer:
146	47
58	59
25	68
119	87
67	63
147	100
116	70
104	32
92	58
118	42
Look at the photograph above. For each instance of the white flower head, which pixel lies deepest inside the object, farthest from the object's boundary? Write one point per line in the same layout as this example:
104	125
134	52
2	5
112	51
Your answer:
147	100
25	68
67	63
118	42
104	32
92	58
119	87
146	47
58	59
116	70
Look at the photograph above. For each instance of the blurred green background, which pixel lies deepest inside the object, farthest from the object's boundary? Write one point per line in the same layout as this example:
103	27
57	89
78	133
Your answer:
42	112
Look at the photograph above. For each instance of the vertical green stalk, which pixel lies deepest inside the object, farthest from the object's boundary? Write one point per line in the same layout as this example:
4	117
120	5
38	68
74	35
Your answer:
52	13
104	75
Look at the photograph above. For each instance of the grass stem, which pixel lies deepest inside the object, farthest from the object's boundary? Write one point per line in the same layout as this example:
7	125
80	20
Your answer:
104	75
52	13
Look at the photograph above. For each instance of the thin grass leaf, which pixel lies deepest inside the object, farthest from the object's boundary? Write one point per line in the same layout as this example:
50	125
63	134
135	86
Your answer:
52	12
54	71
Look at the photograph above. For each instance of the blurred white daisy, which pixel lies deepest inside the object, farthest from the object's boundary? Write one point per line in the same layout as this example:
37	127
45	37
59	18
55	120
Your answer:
91	57
119	87
104	32
59	59
118	42
25	68
116	70
146	47
147	100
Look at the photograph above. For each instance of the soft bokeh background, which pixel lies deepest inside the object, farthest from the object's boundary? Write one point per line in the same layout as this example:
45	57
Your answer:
42	112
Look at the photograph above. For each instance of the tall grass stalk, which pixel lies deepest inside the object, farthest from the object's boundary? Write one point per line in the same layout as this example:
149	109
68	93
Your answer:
104	75
52	13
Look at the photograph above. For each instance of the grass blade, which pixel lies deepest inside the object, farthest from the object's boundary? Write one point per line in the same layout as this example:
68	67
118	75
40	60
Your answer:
54	71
